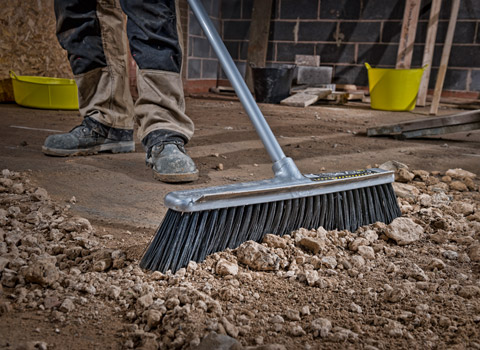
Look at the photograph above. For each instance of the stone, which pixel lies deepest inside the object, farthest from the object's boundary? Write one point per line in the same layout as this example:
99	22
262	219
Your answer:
405	191
40	194
404	231
436	264
296	330
403	175
462	208
229	327
218	342
314	75
459	173
474	252
450	254
458	186
329	261
42	270
366	252
153	318
225	268
469	292
321	327
357	242
67	306
393	165
5	307
312	244
145	301
417	273
275	241
292	315
257	257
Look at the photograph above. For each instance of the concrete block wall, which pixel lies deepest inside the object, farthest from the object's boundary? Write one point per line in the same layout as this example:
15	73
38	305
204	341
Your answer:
345	33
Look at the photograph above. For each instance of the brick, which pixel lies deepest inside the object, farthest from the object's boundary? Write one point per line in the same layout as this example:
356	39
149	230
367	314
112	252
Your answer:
475	81
333	53
316	31
391	32
231	9
247	7
378	54
287	52
236	30
193	26
271	52
233	49
464	32
243	49
350	75
241	68
293	9
213	8
360	31
314	75
194	69
200	47
455	79
382	9
209	69
465	56
340	9
282	30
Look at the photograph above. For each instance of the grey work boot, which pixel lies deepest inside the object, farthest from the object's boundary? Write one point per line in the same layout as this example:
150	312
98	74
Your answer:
90	137
170	163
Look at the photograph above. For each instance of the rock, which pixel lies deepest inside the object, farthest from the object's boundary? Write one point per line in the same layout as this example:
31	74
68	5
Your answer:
405	191
312	244
357	261
329	261
5	307
312	277
51	302
42	270
277	319
18	188
292	315
321	327
356	308
67	306
462	208
296	330
450	254
459	174
474	252
3	263
114	292
458	186
275	241
357	242
393	165
404	231
225	268
469	292
417	273
145	301
229	328
257	257
153	318
218	342
436	264
403	175
366	252
40	194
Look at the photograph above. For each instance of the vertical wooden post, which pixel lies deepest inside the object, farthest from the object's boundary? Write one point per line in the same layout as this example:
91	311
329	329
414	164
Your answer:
258	39
407	35
428	51
447	46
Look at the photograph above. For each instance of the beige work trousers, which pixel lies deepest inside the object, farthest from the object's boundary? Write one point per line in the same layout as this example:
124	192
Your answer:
104	93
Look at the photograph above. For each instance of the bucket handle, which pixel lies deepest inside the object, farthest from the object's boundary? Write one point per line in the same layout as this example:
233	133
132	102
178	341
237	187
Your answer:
368	65
13	75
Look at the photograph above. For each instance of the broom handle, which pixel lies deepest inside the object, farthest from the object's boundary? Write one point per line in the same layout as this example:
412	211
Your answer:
258	120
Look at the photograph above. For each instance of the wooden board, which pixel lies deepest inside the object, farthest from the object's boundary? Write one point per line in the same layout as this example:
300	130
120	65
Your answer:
306	98
6	90
428	51
430	126
447	46
258	39
407	35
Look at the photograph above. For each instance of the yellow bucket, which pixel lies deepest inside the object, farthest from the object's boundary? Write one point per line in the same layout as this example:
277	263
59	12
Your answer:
393	89
44	92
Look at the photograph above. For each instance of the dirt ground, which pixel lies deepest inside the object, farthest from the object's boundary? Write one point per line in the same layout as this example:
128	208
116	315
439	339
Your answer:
124	205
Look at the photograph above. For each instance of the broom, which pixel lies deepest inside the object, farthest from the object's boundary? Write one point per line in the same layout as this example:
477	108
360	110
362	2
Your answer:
200	222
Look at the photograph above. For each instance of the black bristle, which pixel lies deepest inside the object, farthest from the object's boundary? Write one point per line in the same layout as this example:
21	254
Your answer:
193	236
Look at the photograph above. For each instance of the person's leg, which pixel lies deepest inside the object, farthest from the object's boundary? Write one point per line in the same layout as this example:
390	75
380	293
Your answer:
155	42
93	33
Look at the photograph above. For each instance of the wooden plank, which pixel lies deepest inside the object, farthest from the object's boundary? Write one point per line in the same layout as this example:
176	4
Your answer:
428	51
447	46
306	98
441	130
258	39
407	35
427	123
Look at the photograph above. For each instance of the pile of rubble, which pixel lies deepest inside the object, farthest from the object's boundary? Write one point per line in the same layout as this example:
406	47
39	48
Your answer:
414	281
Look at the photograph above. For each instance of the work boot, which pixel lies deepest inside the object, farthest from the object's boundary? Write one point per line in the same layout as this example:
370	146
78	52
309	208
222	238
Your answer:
90	137
170	162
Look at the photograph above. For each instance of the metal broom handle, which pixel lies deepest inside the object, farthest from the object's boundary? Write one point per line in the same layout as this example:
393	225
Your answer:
258	120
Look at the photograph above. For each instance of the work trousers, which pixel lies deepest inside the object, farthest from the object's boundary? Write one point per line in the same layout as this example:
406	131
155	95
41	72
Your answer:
95	36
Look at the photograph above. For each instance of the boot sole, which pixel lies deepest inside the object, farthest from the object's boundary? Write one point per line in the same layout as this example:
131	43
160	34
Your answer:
173	178
118	147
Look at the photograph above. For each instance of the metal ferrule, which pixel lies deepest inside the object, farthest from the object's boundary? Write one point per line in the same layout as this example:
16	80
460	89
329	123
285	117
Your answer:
276	189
